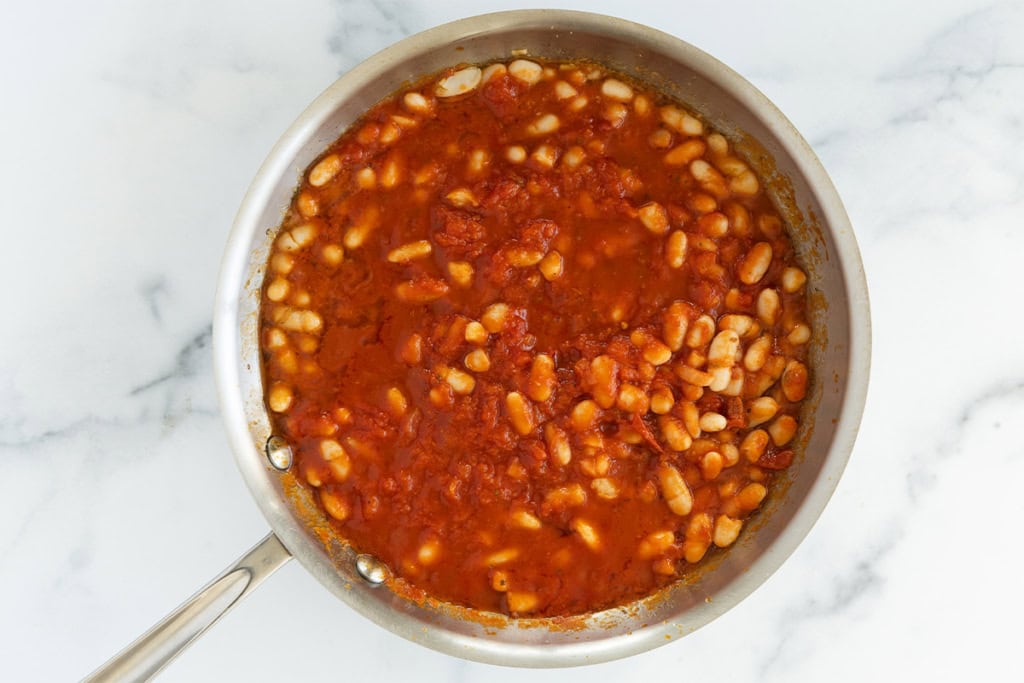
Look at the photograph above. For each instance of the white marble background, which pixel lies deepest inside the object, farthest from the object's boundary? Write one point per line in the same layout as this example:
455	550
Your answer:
128	134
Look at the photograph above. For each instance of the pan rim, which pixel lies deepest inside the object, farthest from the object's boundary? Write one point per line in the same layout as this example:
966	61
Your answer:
233	280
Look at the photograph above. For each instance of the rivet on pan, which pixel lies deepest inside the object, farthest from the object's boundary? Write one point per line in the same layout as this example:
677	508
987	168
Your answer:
279	453
373	571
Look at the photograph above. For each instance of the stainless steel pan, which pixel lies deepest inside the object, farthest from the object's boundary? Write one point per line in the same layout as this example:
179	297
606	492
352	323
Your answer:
841	355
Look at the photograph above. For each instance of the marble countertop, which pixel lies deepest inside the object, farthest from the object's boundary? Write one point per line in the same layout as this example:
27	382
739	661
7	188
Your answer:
129	134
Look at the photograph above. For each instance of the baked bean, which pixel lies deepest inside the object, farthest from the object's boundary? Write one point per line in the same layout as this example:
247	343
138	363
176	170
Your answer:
761	410
655	544
703	203
523	258
282	263
461	273
616	90
675	249
397	403
731	167
727	530
558	444
423	290
710	180
680	121
675	491
662	401
615	113
754	444
642	105
307	204
583	415
335	506
462	197
494	317
333	254
280	398
564	91
297	320
545	125
654	217
297	238
605	488
598	465
542	378
701	332
516	154
460	382
429	552
526	71
660	139
685	153
520	413
717	144
503	556
793	280
745	184
475	333
794	381
389	132
564	497
478	162
357	235
757	353
551	266
800	334
573	157
391	173
712	422
740	324
544	156
675	324
278	289
693	376
723	349
331	450
478	361
288	361
459	83
416	103
714	225
632	399
605	371
782	430
768	306
366	178
410	251
525	520
325	170
751	496
275	338
697	537
520	602
754	265
674	433
412	350
492	71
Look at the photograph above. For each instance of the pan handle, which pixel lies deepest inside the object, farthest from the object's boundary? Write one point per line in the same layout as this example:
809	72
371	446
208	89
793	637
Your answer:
154	650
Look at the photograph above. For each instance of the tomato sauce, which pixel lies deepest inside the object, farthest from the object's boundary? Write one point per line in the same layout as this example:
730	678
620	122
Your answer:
536	366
